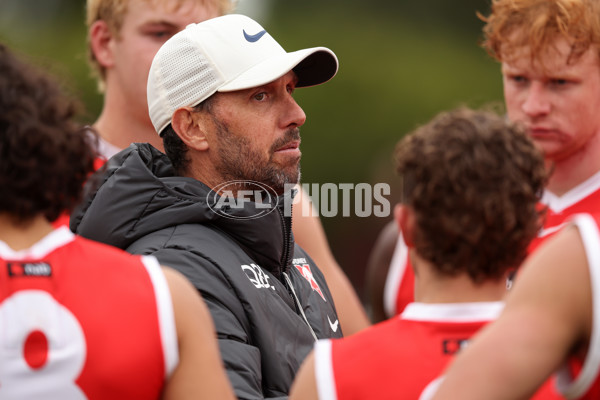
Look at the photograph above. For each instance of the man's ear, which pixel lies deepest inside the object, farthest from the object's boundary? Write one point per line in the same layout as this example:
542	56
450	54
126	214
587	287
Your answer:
101	39
405	218
188	129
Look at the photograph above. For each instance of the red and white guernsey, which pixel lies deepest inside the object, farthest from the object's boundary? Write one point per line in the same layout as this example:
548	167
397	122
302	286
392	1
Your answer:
399	289
82	320
403	357
398	358
580	379
584	198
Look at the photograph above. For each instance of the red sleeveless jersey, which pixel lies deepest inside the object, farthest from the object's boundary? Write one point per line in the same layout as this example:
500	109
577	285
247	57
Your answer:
82	320
398	358
584	198
401	357
580	379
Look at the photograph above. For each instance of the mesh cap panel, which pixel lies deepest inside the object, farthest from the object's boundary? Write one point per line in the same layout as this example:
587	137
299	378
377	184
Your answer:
184	77
227	53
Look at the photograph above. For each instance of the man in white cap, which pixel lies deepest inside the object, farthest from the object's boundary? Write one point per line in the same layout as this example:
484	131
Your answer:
216	207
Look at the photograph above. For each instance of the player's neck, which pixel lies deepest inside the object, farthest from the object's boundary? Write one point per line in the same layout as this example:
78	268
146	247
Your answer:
576	169
20	236
120	126
431	287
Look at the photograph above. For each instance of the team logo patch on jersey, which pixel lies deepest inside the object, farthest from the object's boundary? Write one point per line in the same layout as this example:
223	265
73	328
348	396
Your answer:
16	269
307	274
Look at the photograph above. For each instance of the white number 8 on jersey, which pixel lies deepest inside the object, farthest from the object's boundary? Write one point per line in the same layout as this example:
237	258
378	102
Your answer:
42	348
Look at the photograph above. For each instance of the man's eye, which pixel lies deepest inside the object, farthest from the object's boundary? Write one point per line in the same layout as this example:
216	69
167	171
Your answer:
260	96
160	34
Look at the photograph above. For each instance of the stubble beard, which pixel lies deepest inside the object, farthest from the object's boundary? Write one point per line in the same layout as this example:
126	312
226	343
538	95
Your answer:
238	161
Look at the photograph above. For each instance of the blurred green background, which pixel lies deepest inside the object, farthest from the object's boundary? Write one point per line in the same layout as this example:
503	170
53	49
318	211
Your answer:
401	62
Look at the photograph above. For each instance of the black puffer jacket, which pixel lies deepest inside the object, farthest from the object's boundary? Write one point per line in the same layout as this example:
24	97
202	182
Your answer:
247	270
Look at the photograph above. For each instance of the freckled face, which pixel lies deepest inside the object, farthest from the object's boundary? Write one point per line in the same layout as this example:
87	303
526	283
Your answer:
557	102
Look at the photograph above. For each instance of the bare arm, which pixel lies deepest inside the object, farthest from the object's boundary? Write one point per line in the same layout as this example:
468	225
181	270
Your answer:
377	270
310	235
548	313
305	384
200	373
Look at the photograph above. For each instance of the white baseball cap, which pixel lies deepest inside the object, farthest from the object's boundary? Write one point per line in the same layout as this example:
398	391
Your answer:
223	54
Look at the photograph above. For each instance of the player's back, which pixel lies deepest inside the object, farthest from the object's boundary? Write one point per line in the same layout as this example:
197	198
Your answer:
399	357
404	356
79	319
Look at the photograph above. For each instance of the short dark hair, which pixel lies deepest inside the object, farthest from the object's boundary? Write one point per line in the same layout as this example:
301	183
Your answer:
474	180
44	156
175	148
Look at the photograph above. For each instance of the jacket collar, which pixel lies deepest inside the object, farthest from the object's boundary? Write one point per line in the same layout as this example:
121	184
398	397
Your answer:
137	193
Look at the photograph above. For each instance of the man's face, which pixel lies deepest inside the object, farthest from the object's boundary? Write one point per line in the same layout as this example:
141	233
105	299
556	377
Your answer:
557	102
256	134
146	26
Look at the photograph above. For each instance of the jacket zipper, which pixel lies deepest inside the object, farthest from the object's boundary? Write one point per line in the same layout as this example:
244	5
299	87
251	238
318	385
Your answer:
287	240
289	282
285	260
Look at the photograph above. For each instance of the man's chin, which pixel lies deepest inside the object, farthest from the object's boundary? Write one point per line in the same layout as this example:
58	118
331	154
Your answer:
285	180
555	153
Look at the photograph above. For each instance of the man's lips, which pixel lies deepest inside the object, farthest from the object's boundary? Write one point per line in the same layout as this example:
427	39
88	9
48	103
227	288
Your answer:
290	146
538	132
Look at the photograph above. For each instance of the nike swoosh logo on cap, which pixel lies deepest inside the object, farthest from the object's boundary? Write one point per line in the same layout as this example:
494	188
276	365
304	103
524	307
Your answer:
255	37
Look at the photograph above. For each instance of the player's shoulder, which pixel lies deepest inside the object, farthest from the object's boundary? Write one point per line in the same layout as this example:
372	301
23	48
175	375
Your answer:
384	336
595	216
93	250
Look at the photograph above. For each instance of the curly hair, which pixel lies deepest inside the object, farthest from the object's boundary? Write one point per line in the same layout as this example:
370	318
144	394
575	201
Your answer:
44	156
473	180
113	12
536	24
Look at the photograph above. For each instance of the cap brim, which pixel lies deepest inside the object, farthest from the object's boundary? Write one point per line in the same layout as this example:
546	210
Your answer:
312	66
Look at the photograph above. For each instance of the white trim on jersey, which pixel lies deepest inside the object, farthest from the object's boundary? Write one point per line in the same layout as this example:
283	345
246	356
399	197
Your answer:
52	241
166	317
394	277
453	312
432	388
590	236
573	196
548	231
324	370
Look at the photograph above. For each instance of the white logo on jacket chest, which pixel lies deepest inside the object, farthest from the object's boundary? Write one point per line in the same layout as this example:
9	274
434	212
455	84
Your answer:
257	276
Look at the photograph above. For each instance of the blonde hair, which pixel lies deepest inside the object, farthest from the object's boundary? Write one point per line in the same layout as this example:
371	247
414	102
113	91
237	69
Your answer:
113	13
536	24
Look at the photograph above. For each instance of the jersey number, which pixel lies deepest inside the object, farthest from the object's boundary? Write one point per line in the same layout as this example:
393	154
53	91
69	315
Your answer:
42	348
